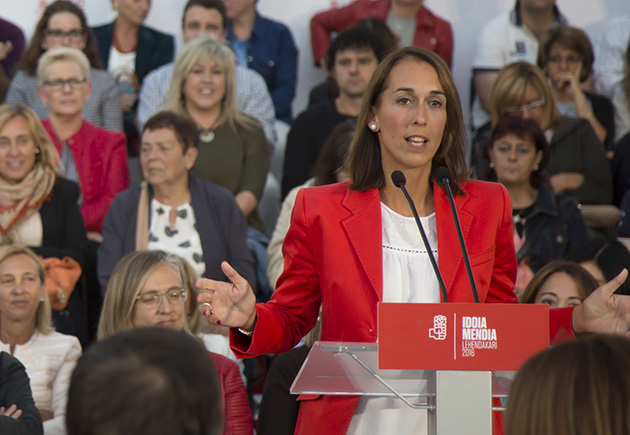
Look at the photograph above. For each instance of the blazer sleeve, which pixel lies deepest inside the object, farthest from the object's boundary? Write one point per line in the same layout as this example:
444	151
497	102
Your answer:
285	80
116	173
325	23
15	389
256	162
597	187
111	110
294	307
238	415
64	232
60	387
445	43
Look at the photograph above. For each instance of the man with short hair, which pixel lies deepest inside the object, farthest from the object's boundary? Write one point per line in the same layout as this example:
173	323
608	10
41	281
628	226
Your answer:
353	56
267	47
508	38
208	17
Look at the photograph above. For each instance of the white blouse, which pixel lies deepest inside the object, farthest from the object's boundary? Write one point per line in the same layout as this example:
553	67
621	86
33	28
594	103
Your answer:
49	361
407	277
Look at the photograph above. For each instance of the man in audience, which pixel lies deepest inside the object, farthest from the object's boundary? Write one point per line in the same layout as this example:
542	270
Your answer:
267	47
610	53
145	381
18	414
410	20
508	38
208	17
353	56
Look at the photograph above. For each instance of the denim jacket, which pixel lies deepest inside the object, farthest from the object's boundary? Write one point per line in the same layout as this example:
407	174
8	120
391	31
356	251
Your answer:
557	226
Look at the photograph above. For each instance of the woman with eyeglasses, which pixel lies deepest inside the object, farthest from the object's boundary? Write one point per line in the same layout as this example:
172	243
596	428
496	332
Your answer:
63	24
565	54
577	159
147	289
26	332
91	156
547	226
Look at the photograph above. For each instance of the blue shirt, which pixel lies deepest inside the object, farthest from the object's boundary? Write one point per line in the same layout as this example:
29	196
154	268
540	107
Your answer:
271	52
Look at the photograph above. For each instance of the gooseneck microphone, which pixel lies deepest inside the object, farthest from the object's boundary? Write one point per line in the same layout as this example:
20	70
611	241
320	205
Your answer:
398	178
444	176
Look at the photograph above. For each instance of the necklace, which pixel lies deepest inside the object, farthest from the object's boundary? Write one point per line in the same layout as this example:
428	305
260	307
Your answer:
206	136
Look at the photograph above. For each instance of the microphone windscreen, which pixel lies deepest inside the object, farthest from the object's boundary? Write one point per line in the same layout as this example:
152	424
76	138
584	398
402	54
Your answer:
442	172
398	178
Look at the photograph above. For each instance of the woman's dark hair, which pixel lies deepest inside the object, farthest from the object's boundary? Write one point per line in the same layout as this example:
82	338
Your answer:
333	153
584	282
363	164
35	49
185	129
611	257
571	38
525	129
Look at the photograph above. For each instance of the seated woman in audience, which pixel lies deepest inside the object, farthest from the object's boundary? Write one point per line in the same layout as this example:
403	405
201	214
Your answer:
603	259
578	387
233	151
26	333
565	53
547	226
163	212
559	284
327	170
147	289
91	156
63	24
577	159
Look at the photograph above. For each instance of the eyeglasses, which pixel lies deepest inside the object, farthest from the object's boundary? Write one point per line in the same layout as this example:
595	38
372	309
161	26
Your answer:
154	299
570	59
529	106
60	84
74	34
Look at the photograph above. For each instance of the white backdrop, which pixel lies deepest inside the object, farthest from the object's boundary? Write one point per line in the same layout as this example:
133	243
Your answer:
466	16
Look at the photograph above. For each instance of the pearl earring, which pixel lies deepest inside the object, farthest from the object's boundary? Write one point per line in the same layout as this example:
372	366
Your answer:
373	127
536	167
491	165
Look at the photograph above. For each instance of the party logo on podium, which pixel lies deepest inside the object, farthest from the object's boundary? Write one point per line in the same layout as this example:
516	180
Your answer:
438	332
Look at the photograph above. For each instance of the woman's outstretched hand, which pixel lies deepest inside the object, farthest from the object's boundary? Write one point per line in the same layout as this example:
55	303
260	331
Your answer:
231	303
603	311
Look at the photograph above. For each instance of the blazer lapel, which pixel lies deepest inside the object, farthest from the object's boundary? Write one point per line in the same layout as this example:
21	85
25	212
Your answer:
450	256
364	231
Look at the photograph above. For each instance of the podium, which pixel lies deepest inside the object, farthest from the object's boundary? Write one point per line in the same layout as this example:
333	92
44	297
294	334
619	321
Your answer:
449	359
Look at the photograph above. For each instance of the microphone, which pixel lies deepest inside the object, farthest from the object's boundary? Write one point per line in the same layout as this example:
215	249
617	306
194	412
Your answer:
398	178
444	176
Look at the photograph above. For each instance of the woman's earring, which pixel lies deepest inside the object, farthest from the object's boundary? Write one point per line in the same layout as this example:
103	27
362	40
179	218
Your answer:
41	300
36	150
44	47
373	127
536	167
491	165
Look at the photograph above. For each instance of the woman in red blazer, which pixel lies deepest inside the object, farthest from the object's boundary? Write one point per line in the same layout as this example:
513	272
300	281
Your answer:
335	249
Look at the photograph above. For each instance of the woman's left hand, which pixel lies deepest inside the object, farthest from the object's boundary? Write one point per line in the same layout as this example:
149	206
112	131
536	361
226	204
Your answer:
603	311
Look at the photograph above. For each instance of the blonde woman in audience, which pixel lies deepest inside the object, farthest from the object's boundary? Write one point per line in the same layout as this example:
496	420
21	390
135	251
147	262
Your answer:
233	151
91	156
26	333
63	24
147	289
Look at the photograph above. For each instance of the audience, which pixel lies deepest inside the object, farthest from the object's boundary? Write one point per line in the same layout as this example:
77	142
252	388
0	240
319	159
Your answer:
233	152
207	18
577	159
327	170
559	284
163	212
91	156
26	333
411	22
267	47
167	382
566	55
63	24
510	37
547	226
18	414
352	58
147	289
578	387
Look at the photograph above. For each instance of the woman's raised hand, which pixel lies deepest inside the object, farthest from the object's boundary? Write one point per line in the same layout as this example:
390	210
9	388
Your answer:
230	304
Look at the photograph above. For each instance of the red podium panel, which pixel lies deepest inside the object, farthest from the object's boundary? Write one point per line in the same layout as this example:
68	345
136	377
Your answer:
460	336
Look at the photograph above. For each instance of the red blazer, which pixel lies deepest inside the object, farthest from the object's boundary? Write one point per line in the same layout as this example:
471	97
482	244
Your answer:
333	256
432	32
100	157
